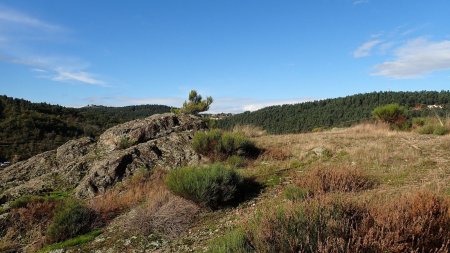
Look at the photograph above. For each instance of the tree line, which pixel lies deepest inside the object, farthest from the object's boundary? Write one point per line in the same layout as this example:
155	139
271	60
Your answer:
31	128
337	112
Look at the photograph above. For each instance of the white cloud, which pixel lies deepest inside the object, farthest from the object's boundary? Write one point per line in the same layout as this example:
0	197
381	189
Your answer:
366	48
80	76
416	58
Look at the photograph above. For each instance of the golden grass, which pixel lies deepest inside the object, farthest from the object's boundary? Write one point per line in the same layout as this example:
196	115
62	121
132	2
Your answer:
398	160
131	193
249	130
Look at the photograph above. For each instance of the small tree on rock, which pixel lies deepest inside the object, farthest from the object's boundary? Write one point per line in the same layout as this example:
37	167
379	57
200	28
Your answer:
195	104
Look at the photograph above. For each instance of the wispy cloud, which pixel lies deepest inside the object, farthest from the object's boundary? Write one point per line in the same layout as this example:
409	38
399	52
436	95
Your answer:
383	42
11	16
80	76
221	104
416	58
17	32
366	48
356	2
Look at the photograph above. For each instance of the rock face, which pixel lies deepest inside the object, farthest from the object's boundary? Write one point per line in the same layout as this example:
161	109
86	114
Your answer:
91	167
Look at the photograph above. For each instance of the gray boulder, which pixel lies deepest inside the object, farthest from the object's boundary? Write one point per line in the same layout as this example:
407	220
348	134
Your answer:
91	167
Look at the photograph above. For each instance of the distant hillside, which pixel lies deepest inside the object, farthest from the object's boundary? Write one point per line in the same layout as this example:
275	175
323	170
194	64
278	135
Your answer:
336	112
31	128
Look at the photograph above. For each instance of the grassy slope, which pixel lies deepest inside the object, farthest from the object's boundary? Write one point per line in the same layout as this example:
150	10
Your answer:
400	162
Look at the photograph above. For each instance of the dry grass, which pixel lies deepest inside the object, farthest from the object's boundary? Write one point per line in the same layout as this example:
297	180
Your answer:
30	224
132	192
415	222
249	130
276	154
418	222
336	179
163	213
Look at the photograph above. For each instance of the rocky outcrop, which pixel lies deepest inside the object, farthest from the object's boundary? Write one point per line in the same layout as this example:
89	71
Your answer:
91	167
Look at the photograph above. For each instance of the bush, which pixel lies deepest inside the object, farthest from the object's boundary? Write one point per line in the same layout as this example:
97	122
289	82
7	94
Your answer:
417	222
297	228
433	129
212	186
236	162
393	114
70	220
205	143
162	214
234	241
220	145
322	180
440	130
419	122
427	129
23	201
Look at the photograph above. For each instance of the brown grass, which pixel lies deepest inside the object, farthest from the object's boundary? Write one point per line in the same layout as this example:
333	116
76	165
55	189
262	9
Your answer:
418	222
163	213
30	224
336	179
119	199
249	130
276	154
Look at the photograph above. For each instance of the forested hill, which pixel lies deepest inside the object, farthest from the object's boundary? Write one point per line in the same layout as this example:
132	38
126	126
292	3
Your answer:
335	112
29	128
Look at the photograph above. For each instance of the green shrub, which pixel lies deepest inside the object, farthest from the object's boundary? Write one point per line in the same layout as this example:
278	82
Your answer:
419	122
440	130
220	145
125	142
427	129
393	114
70	220
212	186
294	228
232	242
296	193
236	161
433	129
23	201
205	142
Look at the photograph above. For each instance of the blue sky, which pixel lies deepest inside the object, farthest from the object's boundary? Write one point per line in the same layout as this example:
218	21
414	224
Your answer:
245	53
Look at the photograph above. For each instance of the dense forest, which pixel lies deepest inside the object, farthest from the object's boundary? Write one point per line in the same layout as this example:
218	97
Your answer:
337	112
31	128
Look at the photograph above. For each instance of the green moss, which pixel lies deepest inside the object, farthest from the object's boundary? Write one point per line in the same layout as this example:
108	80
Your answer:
79	240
